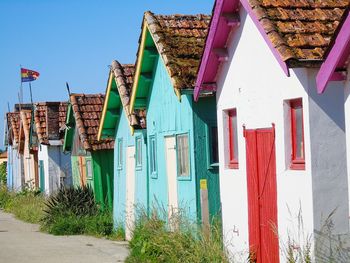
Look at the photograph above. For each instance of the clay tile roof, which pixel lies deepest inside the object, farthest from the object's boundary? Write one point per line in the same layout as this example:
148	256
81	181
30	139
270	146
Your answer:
123	75
49	118
13	122
180	40
87	109
300	29
26	117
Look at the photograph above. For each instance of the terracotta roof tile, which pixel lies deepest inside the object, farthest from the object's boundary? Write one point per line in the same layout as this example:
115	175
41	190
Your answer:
303	29
87	109
49	118
26	117
180	40
13	122
123	75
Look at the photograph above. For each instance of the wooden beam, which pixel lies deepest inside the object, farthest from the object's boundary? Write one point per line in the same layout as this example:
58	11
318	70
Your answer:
151	52
140	103
221	53
146	76
339	76
108	133
232	19
209	86
113	113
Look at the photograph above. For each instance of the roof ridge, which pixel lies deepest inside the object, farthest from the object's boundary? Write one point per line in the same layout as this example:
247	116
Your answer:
124	91
179	28
279	43
79	122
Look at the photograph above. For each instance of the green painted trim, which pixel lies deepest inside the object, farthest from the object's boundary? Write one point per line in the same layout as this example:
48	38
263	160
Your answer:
105	105
42	176
69	132
209	146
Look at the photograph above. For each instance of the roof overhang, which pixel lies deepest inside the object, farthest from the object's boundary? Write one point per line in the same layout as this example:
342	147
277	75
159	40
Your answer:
111	110
143	78
225	19
334	67
69	130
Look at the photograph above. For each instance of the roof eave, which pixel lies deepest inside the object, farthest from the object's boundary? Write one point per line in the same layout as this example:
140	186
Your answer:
339	52
224	20
105	105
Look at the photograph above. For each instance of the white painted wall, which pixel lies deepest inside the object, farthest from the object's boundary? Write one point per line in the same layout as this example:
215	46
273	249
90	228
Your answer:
57	167
15	160
29	165
347	124
253	82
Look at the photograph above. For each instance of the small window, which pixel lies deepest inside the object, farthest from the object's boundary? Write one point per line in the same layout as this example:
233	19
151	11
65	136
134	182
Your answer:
232	139
138	155
88	169
120	154
297	134
213	150
153	155
183	160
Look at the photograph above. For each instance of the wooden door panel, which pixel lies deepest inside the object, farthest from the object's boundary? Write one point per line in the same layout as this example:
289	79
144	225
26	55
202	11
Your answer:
171	170
253	189
262	195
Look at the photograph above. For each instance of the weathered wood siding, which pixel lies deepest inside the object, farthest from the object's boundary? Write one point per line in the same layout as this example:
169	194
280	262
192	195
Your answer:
166	116
141	186
204	117
102	162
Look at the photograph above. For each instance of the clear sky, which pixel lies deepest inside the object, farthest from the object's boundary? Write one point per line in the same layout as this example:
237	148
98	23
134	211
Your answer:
72	40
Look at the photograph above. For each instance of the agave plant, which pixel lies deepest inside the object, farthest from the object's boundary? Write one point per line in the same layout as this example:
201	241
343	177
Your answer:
70	201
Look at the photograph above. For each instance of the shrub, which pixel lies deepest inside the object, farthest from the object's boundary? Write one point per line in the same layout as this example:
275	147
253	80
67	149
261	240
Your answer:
3	173
152	241
73	211
66	225
77	202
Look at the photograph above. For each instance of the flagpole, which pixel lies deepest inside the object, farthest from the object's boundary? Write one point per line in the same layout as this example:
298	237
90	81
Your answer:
30	90
21	87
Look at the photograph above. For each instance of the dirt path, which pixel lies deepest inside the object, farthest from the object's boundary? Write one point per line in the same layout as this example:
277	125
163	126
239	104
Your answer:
23	243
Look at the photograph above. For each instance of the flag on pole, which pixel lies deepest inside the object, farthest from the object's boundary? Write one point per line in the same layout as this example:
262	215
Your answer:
28	75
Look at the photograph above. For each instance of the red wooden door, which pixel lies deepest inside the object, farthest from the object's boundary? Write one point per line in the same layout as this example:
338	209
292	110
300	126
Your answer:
262	195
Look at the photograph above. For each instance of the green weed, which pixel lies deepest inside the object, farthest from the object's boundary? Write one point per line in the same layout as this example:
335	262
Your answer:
154	241
27	206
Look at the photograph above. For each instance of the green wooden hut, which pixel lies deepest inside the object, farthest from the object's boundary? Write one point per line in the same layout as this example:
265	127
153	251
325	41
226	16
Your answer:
92	160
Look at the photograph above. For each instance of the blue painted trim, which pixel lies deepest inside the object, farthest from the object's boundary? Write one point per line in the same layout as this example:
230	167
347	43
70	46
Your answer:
138	167
154	174
120	158
187	177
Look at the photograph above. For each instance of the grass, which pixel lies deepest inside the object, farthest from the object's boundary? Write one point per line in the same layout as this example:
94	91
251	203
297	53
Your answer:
27	206
30	206
153	241
99	225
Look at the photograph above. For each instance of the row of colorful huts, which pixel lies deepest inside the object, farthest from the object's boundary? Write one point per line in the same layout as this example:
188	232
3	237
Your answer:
241	116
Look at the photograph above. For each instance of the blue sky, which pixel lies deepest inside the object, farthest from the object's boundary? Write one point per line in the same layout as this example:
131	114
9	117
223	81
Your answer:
72	40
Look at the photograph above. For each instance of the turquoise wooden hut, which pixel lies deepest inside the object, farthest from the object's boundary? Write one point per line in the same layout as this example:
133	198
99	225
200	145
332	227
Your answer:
92	160
181	134
130	151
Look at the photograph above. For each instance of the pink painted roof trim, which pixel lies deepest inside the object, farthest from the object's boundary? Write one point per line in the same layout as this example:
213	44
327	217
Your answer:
336	57
217	30
277	55
209	64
